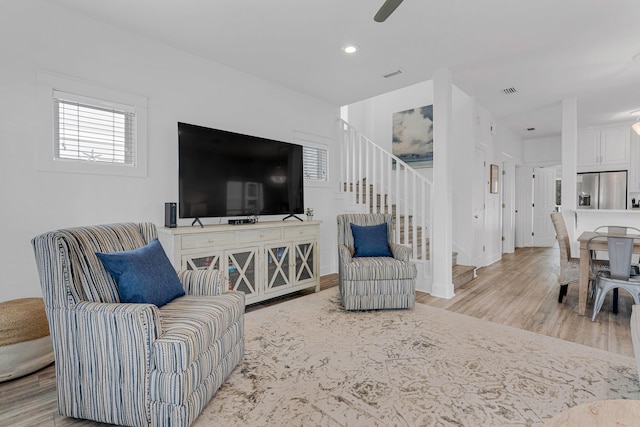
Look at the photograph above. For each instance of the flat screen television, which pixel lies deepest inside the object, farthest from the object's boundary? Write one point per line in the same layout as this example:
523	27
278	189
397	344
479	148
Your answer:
224	174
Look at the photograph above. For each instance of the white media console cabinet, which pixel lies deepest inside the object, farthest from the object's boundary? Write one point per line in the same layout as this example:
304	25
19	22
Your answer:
264	260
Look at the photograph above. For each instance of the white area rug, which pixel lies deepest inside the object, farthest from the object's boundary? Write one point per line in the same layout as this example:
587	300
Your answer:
309	363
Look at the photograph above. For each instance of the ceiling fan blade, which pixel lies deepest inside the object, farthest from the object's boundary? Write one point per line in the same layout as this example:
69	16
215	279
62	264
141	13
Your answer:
387	9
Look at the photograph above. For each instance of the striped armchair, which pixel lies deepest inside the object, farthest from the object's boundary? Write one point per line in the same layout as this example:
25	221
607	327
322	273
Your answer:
133	364
372	283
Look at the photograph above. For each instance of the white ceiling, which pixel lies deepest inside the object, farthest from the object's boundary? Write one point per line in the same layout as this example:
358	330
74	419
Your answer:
546	49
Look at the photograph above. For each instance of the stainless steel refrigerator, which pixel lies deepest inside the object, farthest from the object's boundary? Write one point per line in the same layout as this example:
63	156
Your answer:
602	190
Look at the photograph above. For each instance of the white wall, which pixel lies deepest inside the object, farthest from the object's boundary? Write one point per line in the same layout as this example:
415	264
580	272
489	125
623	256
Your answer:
35	35
508	142
543	151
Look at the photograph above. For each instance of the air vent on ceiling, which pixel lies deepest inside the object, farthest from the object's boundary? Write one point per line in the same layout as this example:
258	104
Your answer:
509	90
392	73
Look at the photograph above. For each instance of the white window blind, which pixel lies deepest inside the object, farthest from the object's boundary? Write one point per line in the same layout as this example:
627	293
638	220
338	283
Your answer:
91	130
315	163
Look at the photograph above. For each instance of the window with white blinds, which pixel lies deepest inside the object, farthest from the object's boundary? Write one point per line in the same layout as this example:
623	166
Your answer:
92	130
315	163
88	128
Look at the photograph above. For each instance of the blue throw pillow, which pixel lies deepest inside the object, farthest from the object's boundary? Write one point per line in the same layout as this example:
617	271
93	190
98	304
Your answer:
143	275
370	240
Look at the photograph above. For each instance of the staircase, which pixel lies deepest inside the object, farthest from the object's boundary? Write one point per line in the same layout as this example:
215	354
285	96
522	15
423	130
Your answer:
379	182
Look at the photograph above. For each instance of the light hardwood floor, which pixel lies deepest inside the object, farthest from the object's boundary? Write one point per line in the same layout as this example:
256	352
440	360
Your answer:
520	291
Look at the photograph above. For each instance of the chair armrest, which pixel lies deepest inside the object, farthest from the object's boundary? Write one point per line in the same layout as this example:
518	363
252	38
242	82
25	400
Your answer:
344	253
401	252
143	318
202	282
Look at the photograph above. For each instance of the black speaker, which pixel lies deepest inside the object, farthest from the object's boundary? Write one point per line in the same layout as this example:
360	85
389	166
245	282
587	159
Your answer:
170	209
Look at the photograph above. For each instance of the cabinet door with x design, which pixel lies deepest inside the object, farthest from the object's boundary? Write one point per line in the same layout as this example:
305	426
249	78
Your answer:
289	266
242	270
305	262
278	267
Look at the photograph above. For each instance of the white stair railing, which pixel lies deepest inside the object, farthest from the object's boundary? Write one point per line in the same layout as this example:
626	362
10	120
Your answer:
380	182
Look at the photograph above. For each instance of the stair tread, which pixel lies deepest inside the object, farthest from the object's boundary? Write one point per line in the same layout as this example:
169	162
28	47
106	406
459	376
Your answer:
459	269
462	274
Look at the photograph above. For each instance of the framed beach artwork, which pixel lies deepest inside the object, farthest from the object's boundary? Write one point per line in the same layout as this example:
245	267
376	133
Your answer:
413	136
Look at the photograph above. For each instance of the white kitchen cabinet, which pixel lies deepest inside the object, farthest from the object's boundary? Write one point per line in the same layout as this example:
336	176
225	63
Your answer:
606	148
263	260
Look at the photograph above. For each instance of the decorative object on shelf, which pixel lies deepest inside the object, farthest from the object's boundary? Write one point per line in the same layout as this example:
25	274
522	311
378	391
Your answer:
493	181
309	213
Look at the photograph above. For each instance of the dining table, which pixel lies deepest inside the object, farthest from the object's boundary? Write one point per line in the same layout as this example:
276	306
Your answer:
597	245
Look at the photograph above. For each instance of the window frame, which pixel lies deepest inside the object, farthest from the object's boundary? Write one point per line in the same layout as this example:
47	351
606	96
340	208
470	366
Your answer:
47	86
317	142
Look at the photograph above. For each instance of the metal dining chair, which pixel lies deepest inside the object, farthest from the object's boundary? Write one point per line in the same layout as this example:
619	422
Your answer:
620	249
596	266
609	230
616	229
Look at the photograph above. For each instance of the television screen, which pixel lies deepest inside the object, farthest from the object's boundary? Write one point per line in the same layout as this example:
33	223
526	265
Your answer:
229	174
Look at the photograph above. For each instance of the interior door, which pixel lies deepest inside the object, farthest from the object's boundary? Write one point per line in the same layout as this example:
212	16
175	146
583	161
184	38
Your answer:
508	207
544	202
480	188
524	211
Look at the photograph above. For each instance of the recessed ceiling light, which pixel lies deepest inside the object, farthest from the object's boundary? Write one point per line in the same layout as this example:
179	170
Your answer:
350	49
